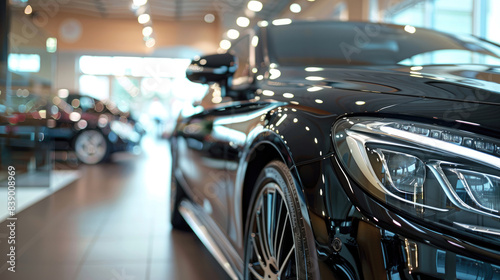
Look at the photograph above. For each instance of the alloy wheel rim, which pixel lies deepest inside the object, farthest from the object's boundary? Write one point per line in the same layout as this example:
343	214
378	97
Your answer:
90	146
271	239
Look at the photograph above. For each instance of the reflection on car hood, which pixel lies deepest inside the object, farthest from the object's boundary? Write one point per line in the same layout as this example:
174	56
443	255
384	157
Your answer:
469	83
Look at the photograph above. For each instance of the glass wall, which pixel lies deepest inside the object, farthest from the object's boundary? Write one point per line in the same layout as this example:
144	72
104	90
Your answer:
453	16
492	20
414	16
477	17
143	86
26	75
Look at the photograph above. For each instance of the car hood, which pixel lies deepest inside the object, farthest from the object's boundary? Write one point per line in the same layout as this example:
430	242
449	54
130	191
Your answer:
466	83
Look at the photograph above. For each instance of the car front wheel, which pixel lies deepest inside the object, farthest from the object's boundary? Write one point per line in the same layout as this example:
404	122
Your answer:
276	244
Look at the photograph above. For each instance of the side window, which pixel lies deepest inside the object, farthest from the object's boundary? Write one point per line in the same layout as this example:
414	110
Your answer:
241	49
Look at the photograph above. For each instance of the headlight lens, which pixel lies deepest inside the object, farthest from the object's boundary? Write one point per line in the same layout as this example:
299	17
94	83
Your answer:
438	174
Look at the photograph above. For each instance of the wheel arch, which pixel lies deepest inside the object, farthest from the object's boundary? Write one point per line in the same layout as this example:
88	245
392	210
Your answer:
265	147
262	154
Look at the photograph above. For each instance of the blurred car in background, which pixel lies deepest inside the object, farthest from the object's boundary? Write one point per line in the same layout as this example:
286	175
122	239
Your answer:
93	129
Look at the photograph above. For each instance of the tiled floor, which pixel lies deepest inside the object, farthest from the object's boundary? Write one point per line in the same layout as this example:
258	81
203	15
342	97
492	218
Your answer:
35	187
111	224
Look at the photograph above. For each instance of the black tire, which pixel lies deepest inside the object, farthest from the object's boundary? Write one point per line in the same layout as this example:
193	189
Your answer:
177	194
91	147
281	251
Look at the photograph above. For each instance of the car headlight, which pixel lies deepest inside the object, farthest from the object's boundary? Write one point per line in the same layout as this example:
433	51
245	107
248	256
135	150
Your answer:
438	174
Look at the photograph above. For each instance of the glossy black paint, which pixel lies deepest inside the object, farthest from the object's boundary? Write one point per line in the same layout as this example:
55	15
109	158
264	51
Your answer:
290	118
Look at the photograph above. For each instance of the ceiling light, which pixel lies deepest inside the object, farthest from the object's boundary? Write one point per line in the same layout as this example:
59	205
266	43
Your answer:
243	22
144	18
283	21
140	2
359	103
233	34
28	10
255	6
209	18
225	44
295	8
147	31
51	44
150	42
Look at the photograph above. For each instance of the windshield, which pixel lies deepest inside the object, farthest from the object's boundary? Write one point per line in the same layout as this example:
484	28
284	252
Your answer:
352	43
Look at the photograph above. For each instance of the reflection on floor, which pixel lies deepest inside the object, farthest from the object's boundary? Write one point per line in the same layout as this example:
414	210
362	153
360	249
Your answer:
33	187
111	224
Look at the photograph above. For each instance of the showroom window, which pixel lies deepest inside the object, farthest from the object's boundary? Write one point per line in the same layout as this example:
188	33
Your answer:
128	81
453	16
413	15
492	20
24	62
478	17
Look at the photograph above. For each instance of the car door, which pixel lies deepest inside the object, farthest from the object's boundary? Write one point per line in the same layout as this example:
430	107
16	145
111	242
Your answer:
201	144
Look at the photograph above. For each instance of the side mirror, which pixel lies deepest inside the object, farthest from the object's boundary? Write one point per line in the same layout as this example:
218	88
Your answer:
212	68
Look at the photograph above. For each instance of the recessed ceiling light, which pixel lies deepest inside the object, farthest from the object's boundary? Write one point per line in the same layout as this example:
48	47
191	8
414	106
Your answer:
295	8
147	31
233	34
150	42
140	2
28	10
144	18
255	6
243	22
225	44
209	18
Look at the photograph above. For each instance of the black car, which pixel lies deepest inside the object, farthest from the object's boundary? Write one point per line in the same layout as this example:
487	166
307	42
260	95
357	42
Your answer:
346	151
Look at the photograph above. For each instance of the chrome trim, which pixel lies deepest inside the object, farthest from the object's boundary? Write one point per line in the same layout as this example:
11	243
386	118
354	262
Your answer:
435	144
479	228
450	192
191	215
